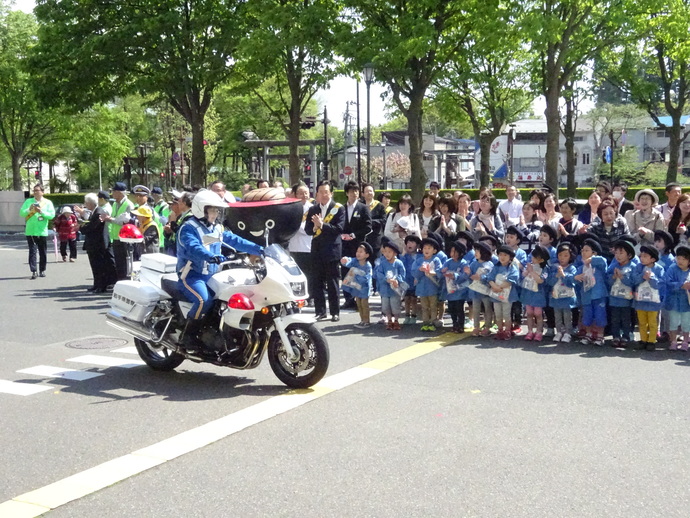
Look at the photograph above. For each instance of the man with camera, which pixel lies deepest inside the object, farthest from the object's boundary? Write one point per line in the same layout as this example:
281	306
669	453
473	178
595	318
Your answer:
37	212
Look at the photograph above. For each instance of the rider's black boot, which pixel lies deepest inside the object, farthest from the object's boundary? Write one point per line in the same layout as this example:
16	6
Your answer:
190	340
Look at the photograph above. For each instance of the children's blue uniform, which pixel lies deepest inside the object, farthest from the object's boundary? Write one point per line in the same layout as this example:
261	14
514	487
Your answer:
408	261
363	279
666	260
521	256
537	298
441	256
381	273
553	253
633	262
470	257
599	290
461	279
656	282
512	276
676	296
627	280
568	280
486	266
494	259
425	286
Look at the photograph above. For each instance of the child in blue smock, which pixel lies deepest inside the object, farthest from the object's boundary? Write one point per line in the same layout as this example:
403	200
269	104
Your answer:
563	297
358	281
663	242
677	286
619	278
648	278
504	280
592	276
389	273
412	244
456	282
427	276
478	290
443	257
513	238
533	294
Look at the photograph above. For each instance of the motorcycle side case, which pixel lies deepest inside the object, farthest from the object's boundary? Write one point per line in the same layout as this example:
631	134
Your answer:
134	300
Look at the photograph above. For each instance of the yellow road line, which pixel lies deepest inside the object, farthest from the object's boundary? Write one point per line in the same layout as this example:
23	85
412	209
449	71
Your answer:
41	500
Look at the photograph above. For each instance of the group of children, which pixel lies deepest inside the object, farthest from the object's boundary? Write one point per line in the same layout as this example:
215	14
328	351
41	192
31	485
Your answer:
564	289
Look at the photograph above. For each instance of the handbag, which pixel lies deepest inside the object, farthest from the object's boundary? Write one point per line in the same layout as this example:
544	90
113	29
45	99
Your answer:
621	291
645	293
504	294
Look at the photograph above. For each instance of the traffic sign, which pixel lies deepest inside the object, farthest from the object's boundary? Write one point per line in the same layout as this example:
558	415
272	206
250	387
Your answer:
347	170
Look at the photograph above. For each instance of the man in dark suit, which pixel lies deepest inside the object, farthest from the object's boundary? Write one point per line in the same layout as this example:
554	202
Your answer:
96	243
357	226
325	222
624	205
378	219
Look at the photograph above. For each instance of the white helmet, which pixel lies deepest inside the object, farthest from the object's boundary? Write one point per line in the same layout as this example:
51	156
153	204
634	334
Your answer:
204	199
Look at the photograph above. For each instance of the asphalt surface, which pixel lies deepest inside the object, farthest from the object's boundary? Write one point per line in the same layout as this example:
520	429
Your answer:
476	428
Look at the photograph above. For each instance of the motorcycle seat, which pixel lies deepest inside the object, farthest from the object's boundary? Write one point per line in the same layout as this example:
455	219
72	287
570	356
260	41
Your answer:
170	286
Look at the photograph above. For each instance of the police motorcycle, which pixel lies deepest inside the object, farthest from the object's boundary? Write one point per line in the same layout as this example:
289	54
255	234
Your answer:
256	311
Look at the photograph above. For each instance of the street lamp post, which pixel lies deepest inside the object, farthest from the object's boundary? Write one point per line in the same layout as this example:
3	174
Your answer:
511	150
368	79
359	150
384	142
325	143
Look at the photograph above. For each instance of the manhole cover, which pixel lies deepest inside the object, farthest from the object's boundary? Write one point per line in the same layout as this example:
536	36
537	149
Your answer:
99	342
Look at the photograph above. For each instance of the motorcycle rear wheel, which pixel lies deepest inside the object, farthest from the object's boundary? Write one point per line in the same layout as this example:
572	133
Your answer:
158	358
312	363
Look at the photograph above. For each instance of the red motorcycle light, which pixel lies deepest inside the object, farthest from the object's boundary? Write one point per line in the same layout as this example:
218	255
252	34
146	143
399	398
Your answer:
240	301
130	234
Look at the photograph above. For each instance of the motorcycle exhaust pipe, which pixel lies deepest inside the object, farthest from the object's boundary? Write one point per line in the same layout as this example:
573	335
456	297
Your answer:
131	328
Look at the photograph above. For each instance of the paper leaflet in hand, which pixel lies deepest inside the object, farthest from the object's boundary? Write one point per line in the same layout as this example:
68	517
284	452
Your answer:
349	279
402	285
479	286
645	293
504	294
528	283
561	291
589	281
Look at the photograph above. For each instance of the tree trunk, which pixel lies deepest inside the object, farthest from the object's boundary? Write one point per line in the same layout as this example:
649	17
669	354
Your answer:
553	133
570	157
414	130
17	172
485	141
198	168
674	142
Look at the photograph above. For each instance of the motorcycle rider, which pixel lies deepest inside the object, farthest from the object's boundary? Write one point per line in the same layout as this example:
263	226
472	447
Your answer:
196	262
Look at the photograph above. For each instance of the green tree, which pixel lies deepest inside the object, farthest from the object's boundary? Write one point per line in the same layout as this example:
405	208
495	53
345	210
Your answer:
178	50
565	35
652	67
487	81
24	125
410	43
292	42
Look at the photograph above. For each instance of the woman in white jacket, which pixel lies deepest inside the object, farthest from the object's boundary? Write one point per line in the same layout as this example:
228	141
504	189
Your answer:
404	222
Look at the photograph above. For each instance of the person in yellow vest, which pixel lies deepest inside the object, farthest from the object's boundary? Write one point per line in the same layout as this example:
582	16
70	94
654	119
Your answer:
149	230
121	214
37	212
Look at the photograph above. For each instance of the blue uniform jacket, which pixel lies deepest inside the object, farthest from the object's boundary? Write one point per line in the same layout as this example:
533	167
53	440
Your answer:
627	279
600	289
536	299
568	280
364	280
408	261
512	276
191	248
381	271
424	286
656	281
553	252
676	297
457	268
666	260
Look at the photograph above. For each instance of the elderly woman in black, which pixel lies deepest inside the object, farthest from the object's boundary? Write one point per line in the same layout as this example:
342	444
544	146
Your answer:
610	227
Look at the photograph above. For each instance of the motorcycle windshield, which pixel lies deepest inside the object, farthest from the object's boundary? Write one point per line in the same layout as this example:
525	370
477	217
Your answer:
278	254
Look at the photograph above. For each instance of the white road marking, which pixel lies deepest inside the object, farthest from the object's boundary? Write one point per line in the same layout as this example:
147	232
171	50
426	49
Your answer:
58	372
126	350
22	389
106	361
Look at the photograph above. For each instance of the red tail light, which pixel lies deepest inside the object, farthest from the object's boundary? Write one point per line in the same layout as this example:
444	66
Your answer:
240	301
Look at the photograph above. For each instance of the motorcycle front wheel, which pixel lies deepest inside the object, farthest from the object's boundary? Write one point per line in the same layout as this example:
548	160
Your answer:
158	358
313	360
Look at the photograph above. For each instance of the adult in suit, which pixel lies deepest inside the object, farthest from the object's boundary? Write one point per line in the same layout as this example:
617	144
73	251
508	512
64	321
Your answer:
624	205
357	226
325	223
378	219
96	245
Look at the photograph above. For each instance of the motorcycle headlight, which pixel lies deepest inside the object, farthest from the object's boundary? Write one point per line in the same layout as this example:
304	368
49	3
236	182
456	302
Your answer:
299	289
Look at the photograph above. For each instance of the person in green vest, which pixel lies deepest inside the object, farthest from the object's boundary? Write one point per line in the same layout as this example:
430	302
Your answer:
37	212
121	214
161	209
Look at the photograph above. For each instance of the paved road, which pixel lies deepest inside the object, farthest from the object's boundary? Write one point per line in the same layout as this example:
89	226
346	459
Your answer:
469	429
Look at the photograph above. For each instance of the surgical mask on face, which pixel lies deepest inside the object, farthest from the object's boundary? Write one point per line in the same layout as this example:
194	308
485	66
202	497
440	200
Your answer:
617	194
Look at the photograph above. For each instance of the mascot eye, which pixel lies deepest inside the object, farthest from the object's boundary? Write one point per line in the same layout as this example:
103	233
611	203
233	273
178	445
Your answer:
270	223
241	225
